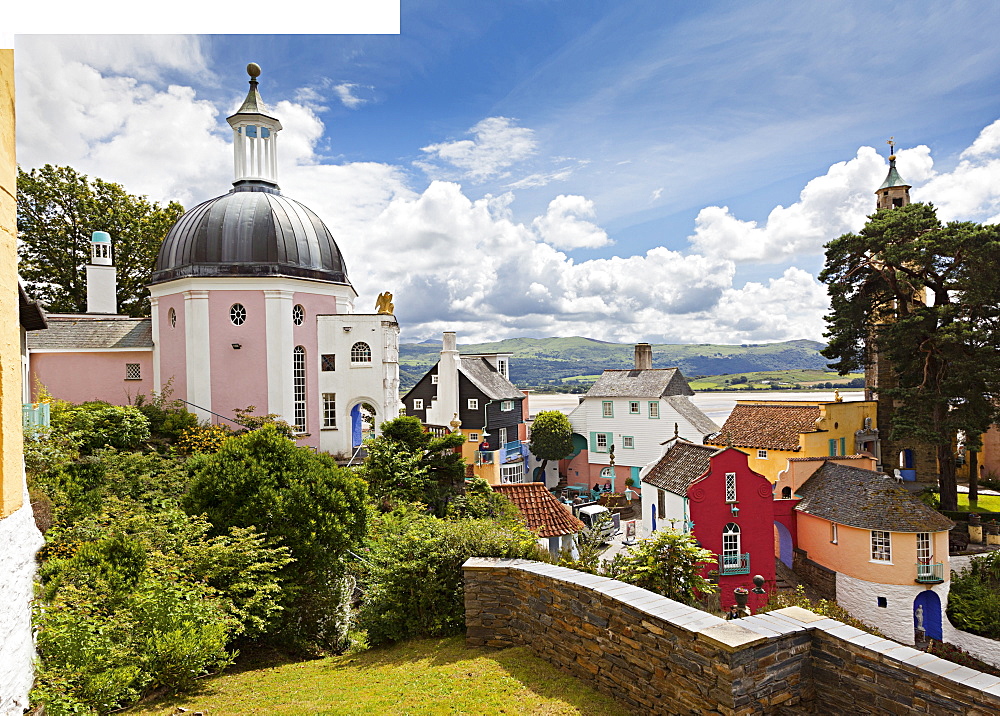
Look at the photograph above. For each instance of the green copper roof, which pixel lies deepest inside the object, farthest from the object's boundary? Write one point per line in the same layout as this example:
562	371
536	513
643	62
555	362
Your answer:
892	178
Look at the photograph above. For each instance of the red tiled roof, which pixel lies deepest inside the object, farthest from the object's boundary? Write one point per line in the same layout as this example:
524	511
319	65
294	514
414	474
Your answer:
774	427
544	514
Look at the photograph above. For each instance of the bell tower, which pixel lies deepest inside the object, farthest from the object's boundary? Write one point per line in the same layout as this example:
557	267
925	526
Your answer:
894	192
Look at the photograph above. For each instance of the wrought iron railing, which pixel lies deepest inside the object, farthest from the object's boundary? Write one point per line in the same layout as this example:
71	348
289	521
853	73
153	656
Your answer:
932	573
734	563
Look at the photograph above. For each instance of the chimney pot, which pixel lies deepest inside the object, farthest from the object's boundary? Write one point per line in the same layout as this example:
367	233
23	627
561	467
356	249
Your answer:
643	356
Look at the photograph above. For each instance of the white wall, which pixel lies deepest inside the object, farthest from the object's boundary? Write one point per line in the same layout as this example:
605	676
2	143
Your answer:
675	505
895	620
19	540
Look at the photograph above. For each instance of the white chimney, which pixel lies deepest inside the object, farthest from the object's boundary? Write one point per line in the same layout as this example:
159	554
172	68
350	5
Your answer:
643	356
102	277
444	408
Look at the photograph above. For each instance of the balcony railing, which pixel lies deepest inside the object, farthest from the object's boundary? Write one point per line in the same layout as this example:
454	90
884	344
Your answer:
734	563
484	457
932	573
34	415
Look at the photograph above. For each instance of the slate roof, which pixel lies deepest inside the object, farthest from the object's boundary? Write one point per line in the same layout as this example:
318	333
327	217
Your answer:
767	426
69	332
544	514
485	377
693	414
867	500
680	466
640	383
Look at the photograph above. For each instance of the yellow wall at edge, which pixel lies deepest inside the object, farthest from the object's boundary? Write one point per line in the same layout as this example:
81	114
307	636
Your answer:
852	553
11	446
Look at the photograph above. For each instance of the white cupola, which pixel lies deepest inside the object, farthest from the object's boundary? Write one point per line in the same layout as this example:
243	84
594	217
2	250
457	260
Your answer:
102	276
255	135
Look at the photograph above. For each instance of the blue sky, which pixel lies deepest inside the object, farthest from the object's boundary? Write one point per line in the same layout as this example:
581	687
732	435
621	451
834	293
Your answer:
659	171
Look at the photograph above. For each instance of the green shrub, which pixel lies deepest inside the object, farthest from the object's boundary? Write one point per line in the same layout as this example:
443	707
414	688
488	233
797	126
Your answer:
101	425
823	607
670	564
411	572
974	598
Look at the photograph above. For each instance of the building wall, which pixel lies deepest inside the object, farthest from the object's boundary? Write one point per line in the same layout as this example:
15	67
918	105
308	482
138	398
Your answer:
861	598
239	377
851	555
171	346
92	375
675	507
19	538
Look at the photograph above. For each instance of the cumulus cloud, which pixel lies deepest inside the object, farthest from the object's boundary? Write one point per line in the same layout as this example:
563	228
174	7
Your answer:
497	144
567	224
971	191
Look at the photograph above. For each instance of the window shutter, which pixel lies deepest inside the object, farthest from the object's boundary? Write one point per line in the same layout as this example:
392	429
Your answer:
593	442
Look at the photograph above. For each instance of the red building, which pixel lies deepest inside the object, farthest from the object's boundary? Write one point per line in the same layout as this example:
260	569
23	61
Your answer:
732	508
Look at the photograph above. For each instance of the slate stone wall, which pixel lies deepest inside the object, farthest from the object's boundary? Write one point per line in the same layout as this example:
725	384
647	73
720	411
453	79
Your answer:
660	657
822	579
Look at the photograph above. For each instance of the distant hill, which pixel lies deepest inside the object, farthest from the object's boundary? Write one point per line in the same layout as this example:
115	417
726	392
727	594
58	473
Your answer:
544	361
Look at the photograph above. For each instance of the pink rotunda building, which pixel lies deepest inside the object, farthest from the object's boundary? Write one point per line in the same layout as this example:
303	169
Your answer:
251	305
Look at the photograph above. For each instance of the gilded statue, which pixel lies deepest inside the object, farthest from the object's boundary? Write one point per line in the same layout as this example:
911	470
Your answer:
383	304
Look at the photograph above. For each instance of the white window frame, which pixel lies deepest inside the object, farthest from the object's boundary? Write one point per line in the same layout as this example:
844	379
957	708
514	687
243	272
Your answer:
418	403
502	434
925	548
633	407
607	473
881	547
502	367
299	388
512	473
597	442
237	314
628	442
329	410
762	454
506	405
654	409
298	314
172	318
473	437
731	542
133	371
608	408
730	487
473	404
361	353
434	379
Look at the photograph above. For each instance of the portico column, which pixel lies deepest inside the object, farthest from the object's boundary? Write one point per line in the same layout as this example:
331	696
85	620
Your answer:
197	359
278	324
154	312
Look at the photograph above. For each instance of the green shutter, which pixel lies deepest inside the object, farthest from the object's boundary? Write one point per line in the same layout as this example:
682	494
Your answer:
833	447
843	446
593	442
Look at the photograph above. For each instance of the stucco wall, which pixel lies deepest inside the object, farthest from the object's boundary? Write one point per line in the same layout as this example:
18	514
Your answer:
895	620
19	541
79	377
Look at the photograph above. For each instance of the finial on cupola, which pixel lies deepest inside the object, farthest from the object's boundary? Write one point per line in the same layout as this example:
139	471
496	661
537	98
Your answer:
893	192
254	137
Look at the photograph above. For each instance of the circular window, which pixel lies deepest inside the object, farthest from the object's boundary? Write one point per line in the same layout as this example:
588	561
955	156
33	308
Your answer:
172	317
298	314
237	314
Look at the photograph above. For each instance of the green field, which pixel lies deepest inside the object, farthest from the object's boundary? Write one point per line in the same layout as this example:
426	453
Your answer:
986	503
773	379
432	676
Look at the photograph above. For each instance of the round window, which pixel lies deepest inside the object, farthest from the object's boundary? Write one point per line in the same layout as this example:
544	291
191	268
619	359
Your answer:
237	314
172	317
298	314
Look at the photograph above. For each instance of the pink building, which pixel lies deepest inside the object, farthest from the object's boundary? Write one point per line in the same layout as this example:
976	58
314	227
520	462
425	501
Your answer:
251	305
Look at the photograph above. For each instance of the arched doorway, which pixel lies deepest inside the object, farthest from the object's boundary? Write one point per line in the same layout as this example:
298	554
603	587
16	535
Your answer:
652	516
929	615
784	539
362	423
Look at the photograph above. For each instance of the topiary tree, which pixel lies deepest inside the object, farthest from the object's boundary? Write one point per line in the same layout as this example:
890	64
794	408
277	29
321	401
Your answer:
551	437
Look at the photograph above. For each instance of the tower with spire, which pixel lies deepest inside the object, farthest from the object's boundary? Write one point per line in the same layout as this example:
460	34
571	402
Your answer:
893	192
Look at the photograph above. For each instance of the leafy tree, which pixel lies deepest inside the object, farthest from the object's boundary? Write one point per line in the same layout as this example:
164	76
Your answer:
434	465
301	500
924	295
58	209
671	564
551	437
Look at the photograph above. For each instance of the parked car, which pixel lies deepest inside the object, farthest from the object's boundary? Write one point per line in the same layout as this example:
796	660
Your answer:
598	517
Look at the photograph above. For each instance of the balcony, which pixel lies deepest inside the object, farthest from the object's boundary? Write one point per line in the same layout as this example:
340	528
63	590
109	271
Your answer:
484	457
932	573
512	451
35	415
734	563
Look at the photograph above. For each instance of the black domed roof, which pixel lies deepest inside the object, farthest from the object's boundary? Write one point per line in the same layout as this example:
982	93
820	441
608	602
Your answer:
251	231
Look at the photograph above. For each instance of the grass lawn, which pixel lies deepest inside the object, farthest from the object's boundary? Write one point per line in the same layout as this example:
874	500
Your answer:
433	676
986	503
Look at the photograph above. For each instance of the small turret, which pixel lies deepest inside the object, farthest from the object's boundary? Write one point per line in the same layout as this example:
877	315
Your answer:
255	135
102	276
894	192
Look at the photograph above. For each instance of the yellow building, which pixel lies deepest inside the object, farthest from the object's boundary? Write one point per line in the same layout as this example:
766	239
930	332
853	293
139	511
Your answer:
772	431
19	538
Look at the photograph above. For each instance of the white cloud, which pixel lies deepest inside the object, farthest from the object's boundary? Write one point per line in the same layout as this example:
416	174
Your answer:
497	144
567	225
345	92
971	191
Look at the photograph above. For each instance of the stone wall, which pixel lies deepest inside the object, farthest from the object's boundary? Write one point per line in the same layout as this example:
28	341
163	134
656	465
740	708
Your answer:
19	540
822	579
658	656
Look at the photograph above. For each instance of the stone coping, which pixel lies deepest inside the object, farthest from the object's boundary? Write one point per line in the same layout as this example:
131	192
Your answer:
738	634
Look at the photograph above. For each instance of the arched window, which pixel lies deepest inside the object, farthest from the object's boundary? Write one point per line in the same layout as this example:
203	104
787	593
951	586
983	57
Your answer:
172	317
361	352
298	314
237	314
731	547
607	473
299	387
786	493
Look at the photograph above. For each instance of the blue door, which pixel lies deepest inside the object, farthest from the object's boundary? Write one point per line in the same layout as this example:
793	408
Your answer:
356	425
784	544
653	518
929	605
